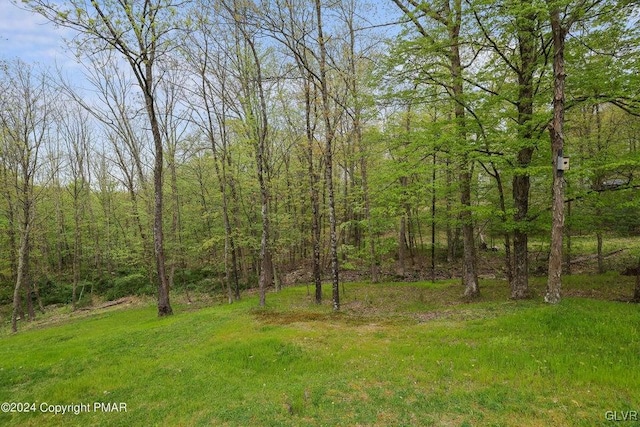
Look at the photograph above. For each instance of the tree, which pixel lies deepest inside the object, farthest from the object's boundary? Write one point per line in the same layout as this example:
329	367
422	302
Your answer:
27	110
503	25
563	15
254	108
76	133
208	65
328	147
309	43
141	33
114	106
292	25
449	17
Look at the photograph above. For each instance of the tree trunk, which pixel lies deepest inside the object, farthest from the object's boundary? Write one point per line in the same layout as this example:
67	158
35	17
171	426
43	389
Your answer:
636	292
554	282
315	216
329	135
469	272
176	238
600	257
402	245
521	185
452	235
367	213
22	273
261	132
469	269
433	217
76	252
313	184
164	306
526	34
357	127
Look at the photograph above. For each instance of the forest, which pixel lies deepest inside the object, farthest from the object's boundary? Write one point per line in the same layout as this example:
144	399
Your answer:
225	146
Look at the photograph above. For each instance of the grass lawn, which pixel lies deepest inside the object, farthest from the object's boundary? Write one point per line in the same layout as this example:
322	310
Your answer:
397	354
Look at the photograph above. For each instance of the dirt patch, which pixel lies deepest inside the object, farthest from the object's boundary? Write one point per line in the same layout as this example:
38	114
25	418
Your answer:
124	300
431	315
286	318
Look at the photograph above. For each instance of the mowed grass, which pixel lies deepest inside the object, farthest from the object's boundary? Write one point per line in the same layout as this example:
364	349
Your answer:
396	355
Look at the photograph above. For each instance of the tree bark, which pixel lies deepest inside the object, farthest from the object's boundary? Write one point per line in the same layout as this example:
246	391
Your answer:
554	281
636	292
23	267
469	268
520	282
526	34
599	252
469	272
164	306
402	245
568	232
329	135
315	198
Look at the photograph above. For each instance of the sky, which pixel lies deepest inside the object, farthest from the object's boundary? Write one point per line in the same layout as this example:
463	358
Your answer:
30	37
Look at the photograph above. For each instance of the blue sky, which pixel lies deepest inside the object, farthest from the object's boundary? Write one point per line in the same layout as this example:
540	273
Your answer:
31	38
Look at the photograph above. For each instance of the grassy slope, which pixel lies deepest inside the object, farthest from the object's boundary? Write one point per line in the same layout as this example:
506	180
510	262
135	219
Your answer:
397	355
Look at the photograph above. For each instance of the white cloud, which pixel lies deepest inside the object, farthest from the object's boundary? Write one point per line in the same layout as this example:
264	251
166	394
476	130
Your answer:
30	37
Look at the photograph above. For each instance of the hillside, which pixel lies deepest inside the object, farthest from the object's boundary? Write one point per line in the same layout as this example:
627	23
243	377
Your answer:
397	354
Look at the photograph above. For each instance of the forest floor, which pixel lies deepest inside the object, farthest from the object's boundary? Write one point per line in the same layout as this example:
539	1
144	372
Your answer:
396	354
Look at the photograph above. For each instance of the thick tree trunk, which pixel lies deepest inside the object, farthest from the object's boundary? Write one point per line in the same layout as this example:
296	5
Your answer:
526	33
469	271
554	281
469	267
521	186
520	282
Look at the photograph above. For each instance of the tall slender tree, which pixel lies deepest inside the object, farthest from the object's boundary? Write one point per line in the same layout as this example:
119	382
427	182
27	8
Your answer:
448	16
141	32
27	111
329	135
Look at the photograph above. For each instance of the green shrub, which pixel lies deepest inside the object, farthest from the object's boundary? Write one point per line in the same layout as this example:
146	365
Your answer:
132	284
54	293
6	293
